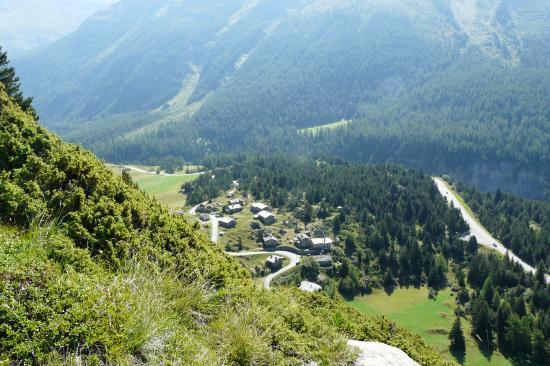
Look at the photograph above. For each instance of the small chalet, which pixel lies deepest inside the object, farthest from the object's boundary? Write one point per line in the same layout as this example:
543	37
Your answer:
227	222
232	209
323	260
236	201
270	241
206	208
258	207
321	244
267	218
274	262
302	241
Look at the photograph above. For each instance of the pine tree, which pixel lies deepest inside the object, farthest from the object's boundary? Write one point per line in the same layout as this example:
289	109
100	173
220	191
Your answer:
518	335
11	82
456	337
503	313
472	245
482	328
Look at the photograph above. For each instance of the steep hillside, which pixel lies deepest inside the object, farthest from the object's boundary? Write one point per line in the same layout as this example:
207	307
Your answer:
95	272
147	81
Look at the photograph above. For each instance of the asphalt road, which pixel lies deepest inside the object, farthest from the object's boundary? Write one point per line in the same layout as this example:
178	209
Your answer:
215	229
476	229
294	260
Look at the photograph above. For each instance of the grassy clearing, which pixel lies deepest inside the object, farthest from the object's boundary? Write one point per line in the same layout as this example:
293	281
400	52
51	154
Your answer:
431	319
328	126
166	189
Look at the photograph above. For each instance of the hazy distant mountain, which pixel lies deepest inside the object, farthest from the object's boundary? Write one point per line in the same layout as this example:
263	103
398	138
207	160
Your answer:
137	55
27	24
430	82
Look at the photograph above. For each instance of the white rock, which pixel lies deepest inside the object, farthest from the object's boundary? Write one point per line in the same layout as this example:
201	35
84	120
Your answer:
380	354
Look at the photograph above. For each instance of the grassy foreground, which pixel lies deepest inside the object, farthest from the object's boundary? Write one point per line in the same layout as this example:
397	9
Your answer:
431	319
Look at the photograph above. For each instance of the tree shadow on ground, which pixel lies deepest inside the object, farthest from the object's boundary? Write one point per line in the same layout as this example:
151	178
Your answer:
459	355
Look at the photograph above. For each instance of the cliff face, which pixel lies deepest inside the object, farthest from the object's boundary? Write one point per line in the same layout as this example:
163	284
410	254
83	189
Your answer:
506	176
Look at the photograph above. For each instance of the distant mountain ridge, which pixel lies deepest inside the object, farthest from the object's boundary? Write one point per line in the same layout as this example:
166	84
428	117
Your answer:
156	44
28	24
183	79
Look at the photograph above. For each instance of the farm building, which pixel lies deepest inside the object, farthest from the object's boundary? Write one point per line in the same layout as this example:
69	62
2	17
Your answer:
204	217
227	222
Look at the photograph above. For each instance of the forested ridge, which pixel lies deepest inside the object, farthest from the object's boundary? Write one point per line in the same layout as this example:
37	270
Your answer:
473	126
424	86
395	229
94	271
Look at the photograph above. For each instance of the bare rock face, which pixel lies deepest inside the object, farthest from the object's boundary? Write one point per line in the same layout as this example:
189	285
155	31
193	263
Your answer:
380	354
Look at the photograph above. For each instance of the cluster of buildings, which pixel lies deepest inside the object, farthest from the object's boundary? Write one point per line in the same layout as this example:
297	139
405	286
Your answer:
263	213
316	245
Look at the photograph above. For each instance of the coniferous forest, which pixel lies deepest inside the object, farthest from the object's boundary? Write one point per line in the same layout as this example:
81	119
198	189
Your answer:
395	229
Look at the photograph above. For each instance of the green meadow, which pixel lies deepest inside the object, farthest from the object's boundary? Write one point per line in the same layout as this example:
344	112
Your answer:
328	126
166	189
431	319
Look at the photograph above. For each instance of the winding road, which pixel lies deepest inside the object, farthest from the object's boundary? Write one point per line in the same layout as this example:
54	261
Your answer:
294	261
476	229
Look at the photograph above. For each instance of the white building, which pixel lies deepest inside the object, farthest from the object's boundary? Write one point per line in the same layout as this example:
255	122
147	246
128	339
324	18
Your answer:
227	222
321	244
267	218
231	209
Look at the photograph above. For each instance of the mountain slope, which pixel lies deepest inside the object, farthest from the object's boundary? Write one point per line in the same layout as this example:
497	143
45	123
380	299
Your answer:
40	23
94	271
148	81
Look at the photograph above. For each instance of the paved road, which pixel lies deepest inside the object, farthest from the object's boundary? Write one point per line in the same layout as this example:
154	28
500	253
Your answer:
214	224
294	260
476	229
215	229
193	210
